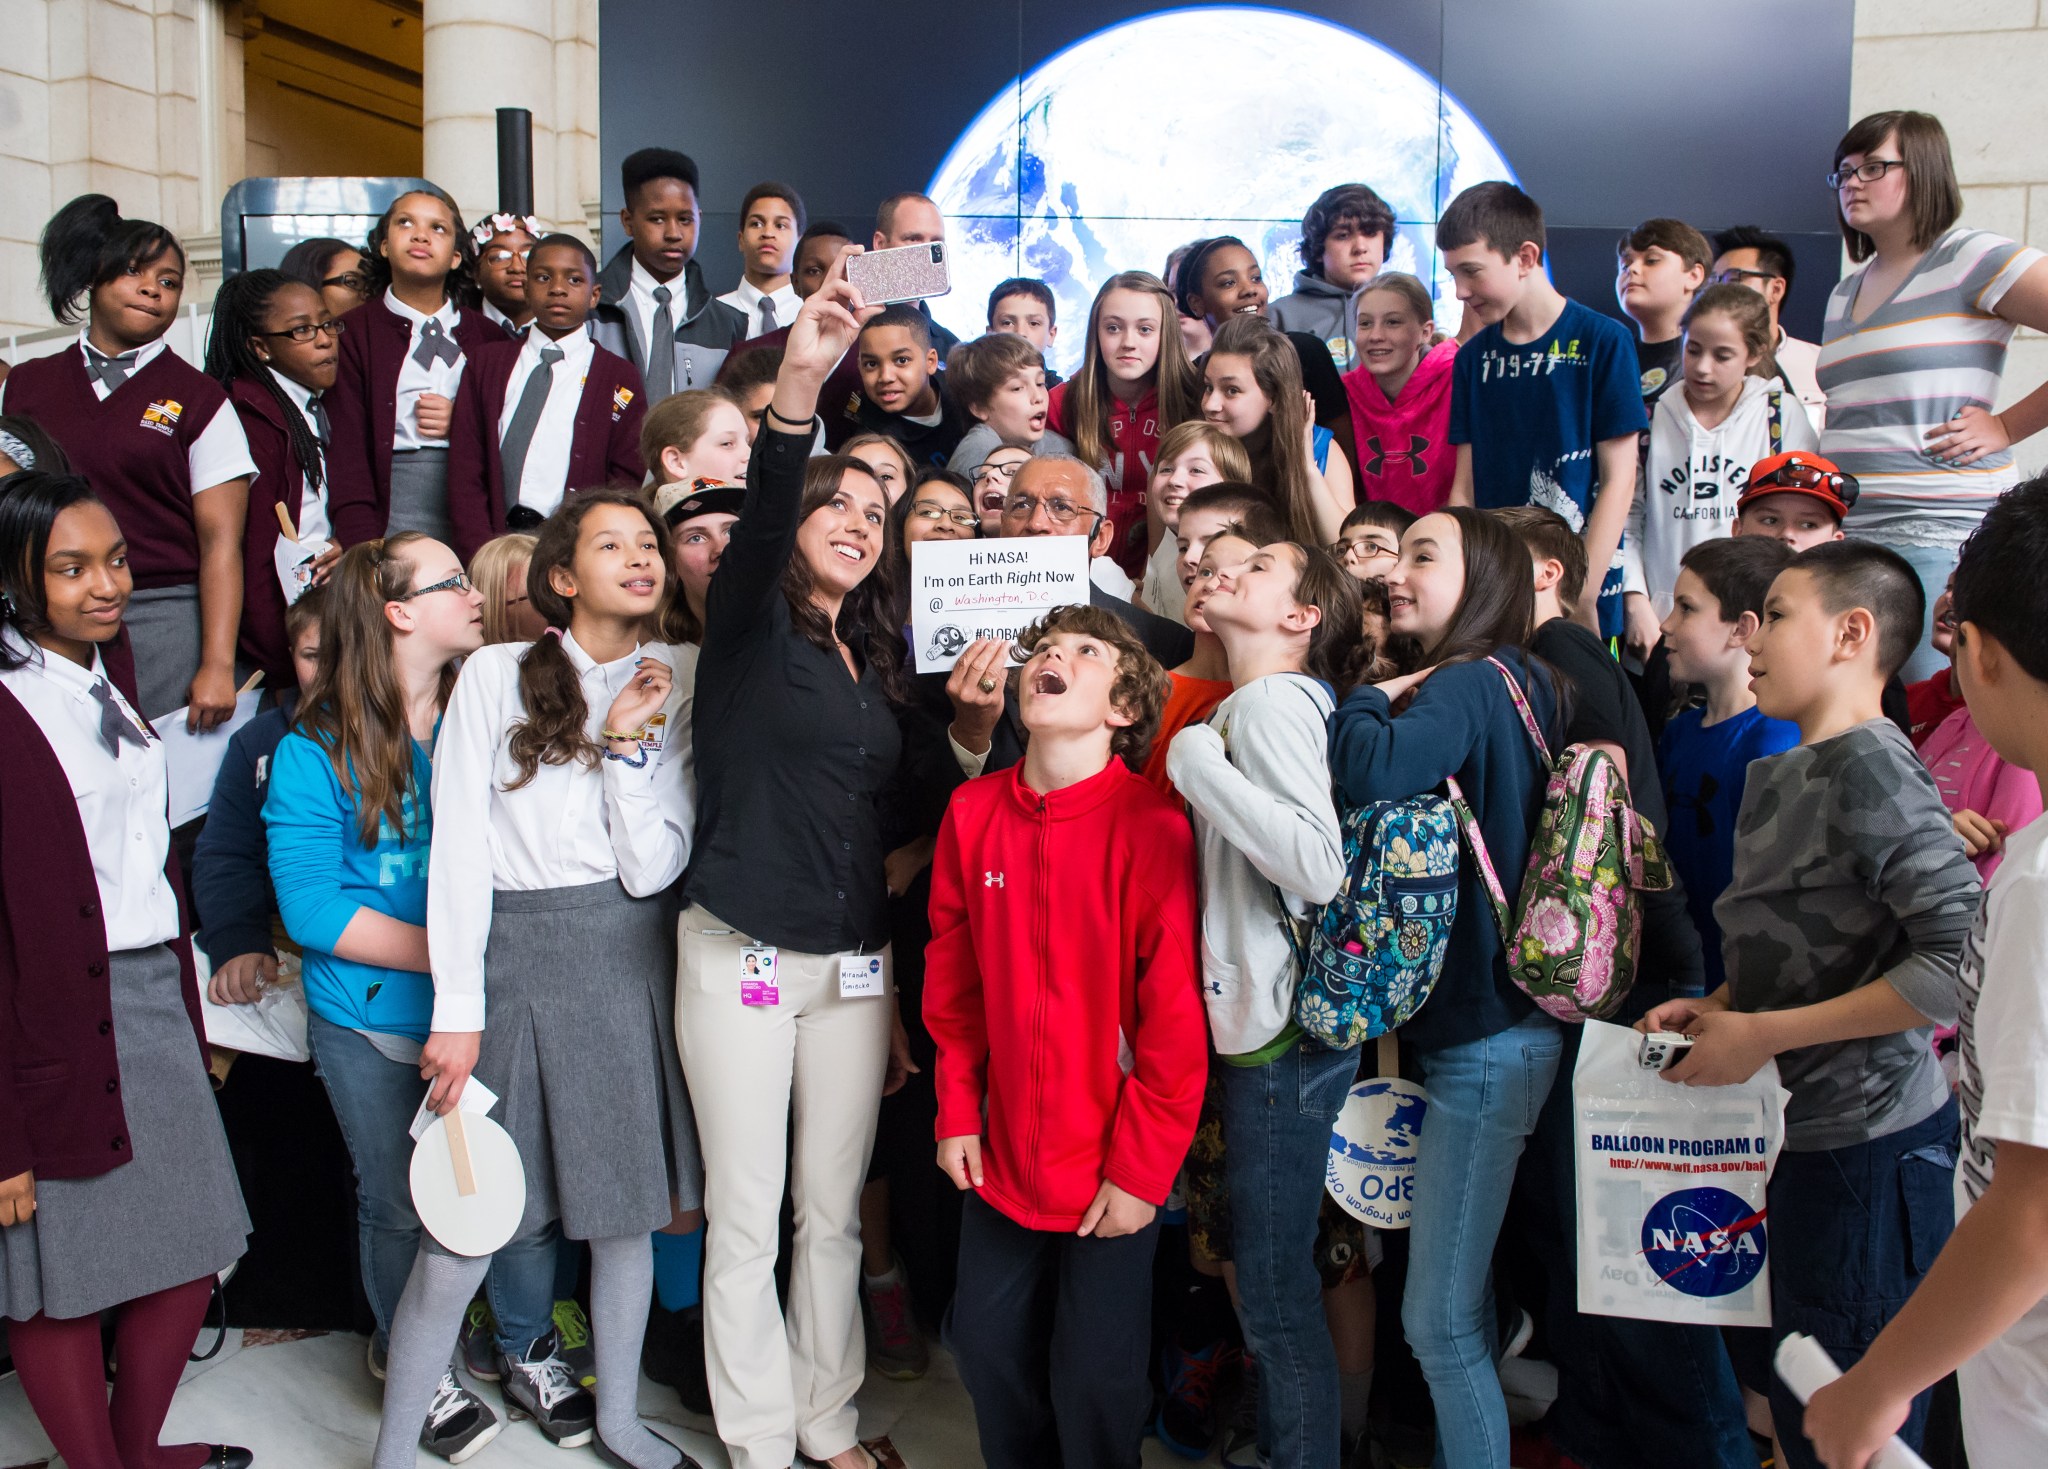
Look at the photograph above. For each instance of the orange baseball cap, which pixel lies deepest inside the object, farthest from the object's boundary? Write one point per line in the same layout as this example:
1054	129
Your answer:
1800	472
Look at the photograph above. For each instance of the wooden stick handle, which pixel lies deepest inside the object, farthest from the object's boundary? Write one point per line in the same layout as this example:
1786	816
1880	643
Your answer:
250	686
458	1152
284	521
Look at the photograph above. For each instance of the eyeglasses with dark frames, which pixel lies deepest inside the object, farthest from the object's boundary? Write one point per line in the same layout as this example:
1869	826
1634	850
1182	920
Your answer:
459	582
306	331
1869	171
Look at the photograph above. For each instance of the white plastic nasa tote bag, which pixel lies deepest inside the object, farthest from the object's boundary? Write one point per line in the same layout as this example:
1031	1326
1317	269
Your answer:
1672	1222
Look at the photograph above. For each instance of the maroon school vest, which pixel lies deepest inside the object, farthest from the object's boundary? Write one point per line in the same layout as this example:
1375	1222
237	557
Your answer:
132	448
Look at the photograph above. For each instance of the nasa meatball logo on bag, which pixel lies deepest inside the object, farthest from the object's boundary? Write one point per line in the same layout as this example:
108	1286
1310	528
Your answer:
1372	1150
1673	1224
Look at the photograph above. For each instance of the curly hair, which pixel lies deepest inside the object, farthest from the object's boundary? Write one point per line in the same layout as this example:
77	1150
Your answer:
1140	688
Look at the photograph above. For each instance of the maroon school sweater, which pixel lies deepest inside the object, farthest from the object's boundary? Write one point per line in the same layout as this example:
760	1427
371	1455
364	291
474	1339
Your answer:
362	413
60	1079
279	481
132	448
603	450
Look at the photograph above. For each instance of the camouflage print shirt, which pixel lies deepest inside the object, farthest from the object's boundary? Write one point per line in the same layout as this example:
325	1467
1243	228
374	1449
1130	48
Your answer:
1847	870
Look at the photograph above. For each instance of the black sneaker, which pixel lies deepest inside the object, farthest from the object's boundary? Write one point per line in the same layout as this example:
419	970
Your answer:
1187	1412
540	1386
672	1354
459	1423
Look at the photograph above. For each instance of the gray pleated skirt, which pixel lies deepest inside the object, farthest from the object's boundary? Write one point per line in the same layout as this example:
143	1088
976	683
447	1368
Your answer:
580	1043
163	626
173	1212
419	493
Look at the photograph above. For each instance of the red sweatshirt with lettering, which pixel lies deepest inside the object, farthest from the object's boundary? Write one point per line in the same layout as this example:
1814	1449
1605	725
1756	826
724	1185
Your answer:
1134	431
1061	985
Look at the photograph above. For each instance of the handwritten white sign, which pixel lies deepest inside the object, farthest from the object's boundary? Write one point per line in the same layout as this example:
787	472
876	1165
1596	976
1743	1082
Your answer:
963	590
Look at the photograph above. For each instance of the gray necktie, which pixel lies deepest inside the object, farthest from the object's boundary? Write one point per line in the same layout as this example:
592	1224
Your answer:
661	349
115	725
113	371
768	321
323	433
525	419
435	343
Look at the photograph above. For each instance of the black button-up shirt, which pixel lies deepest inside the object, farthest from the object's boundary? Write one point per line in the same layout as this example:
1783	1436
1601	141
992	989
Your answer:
793	753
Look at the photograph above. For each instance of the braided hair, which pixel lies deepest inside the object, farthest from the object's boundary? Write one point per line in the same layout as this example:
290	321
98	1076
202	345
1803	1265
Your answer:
240	309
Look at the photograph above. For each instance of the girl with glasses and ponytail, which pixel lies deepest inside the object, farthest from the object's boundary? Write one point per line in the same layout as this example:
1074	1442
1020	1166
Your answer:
562	807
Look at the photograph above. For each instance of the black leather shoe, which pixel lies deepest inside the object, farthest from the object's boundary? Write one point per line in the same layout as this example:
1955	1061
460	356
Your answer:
228	1456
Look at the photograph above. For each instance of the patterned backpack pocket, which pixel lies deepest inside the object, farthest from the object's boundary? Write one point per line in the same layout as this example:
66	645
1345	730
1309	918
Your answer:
1373	953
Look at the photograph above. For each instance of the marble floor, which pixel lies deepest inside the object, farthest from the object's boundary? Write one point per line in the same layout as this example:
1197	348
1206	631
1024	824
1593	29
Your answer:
309	1403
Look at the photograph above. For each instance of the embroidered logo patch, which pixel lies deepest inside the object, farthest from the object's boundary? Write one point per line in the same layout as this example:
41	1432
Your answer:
163	415
620	398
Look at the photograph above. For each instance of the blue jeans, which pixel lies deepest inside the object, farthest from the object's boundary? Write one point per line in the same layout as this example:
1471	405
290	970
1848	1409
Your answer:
1484	1099
1276	1147
1852	1231
1932	564
374	1100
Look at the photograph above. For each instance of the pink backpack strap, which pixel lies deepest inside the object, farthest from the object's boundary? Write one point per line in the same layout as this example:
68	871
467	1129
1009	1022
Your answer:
1475	841
1528	715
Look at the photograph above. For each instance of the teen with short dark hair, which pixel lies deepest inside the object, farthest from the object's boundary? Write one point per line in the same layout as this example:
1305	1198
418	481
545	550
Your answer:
771	222
1564	437
1346	237
1746	256
1028	309
158	442
117	1191
544	416
1053	1313
1661	265
999	382
276	350
653	308
393	399
1841	931
901	391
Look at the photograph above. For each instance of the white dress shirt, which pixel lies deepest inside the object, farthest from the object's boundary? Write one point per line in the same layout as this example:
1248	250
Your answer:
219	454
545	476
746	298
1799	364
511	328
312	517
640	300
123	801
570	825
413	380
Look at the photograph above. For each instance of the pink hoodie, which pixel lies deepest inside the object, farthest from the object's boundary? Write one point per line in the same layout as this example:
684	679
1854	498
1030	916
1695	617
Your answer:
1972	777
1403	452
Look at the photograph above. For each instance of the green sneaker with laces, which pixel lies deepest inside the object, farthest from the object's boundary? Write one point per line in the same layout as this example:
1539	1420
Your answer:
572	1327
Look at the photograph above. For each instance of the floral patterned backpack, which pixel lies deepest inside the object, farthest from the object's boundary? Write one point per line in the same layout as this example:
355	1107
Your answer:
1573	946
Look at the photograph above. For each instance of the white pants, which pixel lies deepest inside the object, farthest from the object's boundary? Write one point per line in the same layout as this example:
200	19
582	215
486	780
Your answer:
778	1387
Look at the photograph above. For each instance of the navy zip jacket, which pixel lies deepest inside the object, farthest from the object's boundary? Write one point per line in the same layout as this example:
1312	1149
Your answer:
1463	723
231	863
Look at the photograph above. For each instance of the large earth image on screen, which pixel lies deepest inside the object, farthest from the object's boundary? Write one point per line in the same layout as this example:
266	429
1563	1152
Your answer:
1227	120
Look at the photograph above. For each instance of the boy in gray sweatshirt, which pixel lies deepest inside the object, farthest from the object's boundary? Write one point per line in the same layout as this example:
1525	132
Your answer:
1841	931
1346	237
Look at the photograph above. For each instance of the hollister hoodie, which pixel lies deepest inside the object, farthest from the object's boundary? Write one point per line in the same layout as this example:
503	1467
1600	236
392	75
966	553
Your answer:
1060	988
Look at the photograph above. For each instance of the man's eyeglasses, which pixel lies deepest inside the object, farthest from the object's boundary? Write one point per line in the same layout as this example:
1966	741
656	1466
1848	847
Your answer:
1867	172
457	583
1736	275
1062	511
933	511
305	332
355	280
983	473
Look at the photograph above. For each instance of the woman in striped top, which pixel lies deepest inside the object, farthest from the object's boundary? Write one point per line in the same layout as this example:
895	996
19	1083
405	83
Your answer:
1914	347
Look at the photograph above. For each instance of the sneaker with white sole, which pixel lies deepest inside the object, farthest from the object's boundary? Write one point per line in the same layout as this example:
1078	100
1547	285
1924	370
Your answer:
479	1342
459	1423
539	1386
896	1346
572	1332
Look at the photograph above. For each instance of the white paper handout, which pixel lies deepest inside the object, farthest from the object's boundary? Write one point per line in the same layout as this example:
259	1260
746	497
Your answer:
275	1025
963	590
192	761
477	1099
294	561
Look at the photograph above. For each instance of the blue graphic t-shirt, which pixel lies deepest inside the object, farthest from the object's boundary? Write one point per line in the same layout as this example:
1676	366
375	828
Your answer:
324	876
1705	768
1534	414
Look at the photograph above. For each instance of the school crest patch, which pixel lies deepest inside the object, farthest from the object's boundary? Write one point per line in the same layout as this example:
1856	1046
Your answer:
163	415
620	398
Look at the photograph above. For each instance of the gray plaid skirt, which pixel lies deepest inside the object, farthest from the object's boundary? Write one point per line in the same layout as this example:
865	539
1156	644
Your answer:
580	1042
173	1212
419	493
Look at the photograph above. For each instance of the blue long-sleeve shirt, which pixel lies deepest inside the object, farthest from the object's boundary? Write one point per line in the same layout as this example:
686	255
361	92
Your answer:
231	862
324	876
1462	722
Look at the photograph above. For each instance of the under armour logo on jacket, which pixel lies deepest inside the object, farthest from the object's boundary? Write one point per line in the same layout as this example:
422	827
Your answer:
991	879
1413	454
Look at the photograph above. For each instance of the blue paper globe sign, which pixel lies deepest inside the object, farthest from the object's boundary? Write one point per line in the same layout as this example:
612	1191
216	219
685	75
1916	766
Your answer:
1705	1241
1372	1150
1130	142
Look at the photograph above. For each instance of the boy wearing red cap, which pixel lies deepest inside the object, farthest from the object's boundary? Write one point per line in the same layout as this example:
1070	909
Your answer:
1797	497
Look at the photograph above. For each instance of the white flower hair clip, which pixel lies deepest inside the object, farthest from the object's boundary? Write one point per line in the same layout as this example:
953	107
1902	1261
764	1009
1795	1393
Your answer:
498	224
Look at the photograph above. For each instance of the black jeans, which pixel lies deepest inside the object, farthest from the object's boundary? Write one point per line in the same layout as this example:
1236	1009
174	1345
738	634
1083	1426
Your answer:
1051	1332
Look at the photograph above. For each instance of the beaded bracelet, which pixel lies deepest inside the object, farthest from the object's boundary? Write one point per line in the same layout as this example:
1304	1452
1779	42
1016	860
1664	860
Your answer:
638	760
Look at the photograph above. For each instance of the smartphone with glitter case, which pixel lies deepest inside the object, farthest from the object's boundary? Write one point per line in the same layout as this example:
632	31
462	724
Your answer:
905	273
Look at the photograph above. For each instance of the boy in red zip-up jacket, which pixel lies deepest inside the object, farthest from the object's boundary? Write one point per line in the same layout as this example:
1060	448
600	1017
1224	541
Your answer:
1061	988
